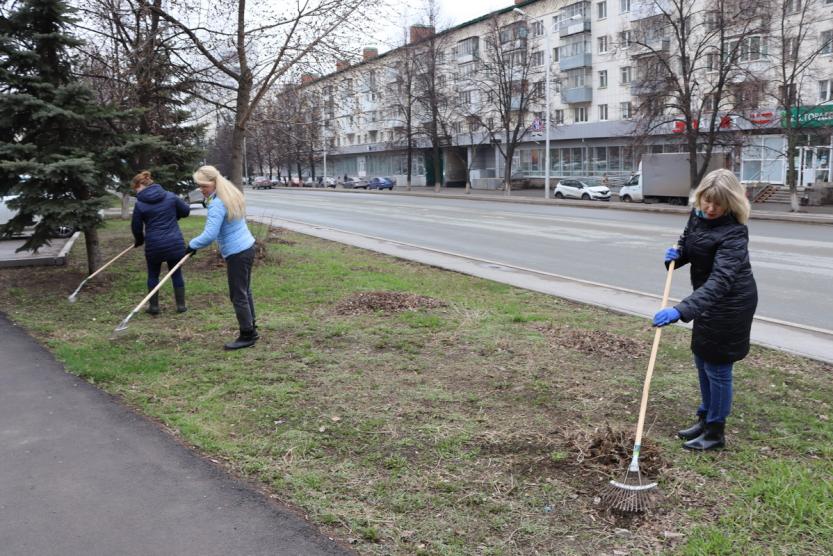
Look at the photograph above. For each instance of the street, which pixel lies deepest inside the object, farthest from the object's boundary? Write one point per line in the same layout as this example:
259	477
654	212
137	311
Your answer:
793	263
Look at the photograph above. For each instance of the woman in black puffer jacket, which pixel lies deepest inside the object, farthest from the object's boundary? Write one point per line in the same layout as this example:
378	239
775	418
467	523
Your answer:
155	225
715	244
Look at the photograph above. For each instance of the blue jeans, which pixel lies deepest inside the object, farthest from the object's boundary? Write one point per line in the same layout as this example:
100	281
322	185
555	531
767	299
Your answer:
715	390
155	269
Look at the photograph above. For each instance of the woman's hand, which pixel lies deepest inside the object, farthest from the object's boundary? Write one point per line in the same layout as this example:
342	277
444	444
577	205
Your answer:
666	316
672	254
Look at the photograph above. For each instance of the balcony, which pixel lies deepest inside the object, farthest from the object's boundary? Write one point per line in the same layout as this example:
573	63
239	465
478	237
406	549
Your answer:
573	26
577	95
573	62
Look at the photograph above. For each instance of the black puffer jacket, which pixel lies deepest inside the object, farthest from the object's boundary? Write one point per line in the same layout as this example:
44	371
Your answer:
725	295
155	221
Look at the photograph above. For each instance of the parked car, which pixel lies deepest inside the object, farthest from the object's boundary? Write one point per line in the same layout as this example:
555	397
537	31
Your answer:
631	191
353	183
330	182
577	189
295	182
310	182
381	183
262	182
7	213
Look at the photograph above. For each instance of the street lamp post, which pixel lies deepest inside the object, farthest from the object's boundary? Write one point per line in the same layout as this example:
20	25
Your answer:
547	63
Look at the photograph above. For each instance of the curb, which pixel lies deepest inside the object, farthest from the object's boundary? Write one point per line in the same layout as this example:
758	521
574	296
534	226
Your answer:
805	218
43	260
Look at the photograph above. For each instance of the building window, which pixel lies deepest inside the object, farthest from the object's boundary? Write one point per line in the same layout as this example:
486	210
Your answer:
580	114
749	49
465	98
761	160
625	39
559	116
467	47
603	79
555	54
827	42
625	110
601	9
624	6
825	90
538	89
625	75
537	28
602	44
537	58
712	62
602	112
793	6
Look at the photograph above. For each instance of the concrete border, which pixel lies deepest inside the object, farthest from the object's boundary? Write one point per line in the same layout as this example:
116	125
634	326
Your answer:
42	260
805	218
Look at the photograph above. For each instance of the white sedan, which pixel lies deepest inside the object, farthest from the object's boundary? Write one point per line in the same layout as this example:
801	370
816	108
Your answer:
577	189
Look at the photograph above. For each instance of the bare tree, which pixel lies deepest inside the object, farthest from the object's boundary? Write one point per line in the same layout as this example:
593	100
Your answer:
795	70
268	43
502	77
401	106
687	57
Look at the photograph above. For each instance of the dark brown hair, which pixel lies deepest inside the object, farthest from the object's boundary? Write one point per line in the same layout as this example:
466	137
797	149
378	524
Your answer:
140	179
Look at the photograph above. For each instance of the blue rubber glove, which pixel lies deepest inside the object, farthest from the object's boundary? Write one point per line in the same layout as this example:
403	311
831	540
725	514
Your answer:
672	254
666	316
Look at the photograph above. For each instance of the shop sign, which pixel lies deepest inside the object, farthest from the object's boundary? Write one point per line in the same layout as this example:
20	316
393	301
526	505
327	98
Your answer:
809	116
761	118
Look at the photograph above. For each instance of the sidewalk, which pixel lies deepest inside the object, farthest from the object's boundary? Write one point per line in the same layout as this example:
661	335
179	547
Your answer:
81	475
54	254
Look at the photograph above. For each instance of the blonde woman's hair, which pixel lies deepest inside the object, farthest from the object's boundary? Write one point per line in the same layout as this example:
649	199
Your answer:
231	196
723	188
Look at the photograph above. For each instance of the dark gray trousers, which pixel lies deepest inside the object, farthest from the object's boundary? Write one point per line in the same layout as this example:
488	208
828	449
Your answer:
239	272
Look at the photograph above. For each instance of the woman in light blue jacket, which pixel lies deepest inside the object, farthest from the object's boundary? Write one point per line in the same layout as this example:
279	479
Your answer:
226	223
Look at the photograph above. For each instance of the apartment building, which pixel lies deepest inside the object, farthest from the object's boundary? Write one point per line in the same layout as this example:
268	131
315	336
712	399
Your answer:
602	58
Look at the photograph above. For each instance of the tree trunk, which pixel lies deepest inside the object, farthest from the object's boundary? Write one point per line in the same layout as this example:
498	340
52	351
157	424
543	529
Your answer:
244	90
409	156
792	171
93	249
438	175
125	206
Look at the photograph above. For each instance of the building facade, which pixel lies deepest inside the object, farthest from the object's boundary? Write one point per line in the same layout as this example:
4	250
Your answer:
602	58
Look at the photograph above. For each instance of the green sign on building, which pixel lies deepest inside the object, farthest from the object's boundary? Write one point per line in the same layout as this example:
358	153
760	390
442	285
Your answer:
810	116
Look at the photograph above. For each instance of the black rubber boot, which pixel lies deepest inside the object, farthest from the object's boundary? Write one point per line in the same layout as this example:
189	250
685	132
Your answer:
179	295
693	431
153	305
247	338
711	439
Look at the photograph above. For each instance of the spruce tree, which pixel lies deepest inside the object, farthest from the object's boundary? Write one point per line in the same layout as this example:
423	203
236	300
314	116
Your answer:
56	141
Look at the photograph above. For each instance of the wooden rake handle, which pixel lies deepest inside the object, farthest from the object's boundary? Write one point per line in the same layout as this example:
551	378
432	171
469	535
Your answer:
108	263
643	406
161	283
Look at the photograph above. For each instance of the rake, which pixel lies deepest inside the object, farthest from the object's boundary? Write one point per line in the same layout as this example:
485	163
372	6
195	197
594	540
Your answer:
632	494
123	325
73	297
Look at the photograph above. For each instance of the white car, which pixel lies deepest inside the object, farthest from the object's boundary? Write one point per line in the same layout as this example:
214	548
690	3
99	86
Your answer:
577	189
631	191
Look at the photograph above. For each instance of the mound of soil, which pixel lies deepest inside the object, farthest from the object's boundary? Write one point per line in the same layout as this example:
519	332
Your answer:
387	302
597	342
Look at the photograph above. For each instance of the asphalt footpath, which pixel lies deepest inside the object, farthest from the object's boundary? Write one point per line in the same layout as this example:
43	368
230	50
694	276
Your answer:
81	474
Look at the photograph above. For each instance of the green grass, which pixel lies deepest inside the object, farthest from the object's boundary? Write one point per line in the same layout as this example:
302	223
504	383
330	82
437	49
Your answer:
463	429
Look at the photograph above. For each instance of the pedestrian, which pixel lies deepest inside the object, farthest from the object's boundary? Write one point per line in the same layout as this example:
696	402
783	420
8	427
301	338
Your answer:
226	223
155	226
715	243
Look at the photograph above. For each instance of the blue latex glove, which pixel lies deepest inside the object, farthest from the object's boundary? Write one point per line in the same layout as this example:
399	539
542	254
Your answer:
672	254
666	316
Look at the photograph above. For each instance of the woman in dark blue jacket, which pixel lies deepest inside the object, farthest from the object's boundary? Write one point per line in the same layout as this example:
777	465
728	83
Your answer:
155	225
715	243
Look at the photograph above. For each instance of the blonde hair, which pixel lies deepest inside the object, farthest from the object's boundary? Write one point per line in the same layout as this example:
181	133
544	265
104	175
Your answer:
231	196
143	178
723	188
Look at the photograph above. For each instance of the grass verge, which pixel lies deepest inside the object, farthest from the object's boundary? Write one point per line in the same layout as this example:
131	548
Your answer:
478	419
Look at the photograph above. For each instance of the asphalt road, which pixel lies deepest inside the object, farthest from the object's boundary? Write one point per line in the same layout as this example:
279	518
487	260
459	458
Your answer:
792	262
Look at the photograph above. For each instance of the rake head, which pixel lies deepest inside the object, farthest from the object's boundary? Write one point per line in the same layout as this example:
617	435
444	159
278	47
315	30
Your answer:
631	495
72	298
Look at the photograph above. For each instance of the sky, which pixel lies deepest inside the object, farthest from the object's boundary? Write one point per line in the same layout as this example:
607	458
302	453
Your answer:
451	13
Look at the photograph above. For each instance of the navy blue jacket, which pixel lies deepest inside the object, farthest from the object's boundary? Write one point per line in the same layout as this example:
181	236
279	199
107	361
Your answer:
725	295
155	221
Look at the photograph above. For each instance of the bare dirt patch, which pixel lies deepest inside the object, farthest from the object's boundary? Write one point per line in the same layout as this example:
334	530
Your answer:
596	342
386	302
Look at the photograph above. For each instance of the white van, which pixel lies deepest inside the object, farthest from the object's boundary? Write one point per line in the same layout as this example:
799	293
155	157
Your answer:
631	191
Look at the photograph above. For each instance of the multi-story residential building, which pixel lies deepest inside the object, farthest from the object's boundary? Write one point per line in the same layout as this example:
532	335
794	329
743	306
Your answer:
606	60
